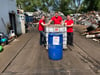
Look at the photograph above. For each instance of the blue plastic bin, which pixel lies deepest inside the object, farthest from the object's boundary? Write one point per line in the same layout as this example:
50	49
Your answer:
55	46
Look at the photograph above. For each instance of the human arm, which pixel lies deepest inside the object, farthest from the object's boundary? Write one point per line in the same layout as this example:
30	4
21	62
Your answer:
69	25
52	19
49	21
61	20
44	24
62	23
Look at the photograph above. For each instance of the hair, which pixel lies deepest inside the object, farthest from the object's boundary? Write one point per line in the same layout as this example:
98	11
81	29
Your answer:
43	15
56	11
68	15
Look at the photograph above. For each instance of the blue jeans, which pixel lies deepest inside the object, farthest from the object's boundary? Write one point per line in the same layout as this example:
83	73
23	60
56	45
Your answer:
42	37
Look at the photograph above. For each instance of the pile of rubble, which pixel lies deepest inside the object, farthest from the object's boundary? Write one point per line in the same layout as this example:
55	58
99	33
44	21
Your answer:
38	14
91	21
87	18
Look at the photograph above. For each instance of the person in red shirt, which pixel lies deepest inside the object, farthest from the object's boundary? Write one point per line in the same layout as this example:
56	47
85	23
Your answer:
41	30
56	19
69	24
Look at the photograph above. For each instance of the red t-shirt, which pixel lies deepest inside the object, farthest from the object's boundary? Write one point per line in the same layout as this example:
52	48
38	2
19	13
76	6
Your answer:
57	20
69	22
41	28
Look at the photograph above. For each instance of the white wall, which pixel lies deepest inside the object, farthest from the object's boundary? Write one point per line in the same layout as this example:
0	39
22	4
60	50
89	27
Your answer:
6	6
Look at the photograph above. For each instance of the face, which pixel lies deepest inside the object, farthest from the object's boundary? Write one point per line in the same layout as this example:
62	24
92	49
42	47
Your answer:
43	17
68	17
56	14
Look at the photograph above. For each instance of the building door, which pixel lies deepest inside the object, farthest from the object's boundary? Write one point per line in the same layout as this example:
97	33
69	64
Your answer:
12	18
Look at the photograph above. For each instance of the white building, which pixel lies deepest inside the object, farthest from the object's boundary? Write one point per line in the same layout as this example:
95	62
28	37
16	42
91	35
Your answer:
8	15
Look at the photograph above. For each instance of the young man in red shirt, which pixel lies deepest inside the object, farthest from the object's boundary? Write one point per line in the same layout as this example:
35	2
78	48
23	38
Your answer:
56	19
41	30
69	24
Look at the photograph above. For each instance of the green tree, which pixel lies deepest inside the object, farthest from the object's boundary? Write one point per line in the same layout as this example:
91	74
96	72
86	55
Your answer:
65	6
89	5
32	5
29	5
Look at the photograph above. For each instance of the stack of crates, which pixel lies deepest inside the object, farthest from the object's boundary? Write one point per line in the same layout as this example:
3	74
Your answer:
57	29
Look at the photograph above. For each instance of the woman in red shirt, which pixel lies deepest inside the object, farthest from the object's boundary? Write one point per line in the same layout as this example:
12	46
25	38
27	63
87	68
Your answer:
69	24
41	30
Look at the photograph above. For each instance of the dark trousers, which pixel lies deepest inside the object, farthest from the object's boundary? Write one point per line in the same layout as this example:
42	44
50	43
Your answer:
70	38
42	38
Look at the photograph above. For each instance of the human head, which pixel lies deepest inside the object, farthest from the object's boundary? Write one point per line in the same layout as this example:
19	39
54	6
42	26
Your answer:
56	14
68	17
43	17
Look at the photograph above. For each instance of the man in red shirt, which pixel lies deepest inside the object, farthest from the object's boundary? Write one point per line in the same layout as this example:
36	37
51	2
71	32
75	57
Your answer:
69	24
41	30
56	19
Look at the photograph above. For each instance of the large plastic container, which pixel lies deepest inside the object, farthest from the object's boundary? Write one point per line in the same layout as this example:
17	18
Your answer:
55	46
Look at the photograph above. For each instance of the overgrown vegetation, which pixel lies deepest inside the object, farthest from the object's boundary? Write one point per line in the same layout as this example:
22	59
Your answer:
65	6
